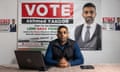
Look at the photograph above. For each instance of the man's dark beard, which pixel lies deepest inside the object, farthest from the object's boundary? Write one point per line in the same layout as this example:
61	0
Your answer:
89	20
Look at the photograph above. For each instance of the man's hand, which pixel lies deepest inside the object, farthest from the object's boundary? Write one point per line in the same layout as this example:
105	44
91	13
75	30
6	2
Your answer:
63	63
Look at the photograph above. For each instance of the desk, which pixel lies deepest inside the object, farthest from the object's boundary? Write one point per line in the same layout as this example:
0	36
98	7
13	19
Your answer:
98	68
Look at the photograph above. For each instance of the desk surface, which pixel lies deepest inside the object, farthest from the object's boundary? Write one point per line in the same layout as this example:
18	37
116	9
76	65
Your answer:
98	68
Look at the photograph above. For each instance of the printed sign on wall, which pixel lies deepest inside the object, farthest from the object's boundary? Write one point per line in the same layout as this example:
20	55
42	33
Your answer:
7	25
38	21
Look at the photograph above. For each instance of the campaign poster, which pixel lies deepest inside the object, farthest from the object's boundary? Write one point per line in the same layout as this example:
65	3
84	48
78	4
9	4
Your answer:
38	20
7	25
109	23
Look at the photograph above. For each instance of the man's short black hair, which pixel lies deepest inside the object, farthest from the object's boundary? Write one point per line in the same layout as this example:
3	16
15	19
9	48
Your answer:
89	5
62	27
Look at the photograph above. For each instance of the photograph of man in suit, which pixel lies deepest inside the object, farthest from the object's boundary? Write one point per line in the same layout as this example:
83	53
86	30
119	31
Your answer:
88	34
13	26
117	24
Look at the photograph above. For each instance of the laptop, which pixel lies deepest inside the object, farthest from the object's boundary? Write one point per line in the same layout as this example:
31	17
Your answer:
33	60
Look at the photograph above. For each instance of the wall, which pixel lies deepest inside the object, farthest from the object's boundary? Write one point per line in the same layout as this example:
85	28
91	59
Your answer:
110	42
8	9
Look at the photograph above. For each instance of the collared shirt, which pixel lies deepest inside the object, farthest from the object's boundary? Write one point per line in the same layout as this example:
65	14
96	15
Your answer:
92	30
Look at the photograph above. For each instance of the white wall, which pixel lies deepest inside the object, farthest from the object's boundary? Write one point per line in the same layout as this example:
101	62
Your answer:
7	46
8	40
110	39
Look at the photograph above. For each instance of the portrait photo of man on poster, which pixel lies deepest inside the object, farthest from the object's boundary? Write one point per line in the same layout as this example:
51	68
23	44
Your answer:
88	34
13	26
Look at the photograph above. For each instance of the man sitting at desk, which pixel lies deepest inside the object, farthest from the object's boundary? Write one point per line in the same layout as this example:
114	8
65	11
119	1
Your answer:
63	52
